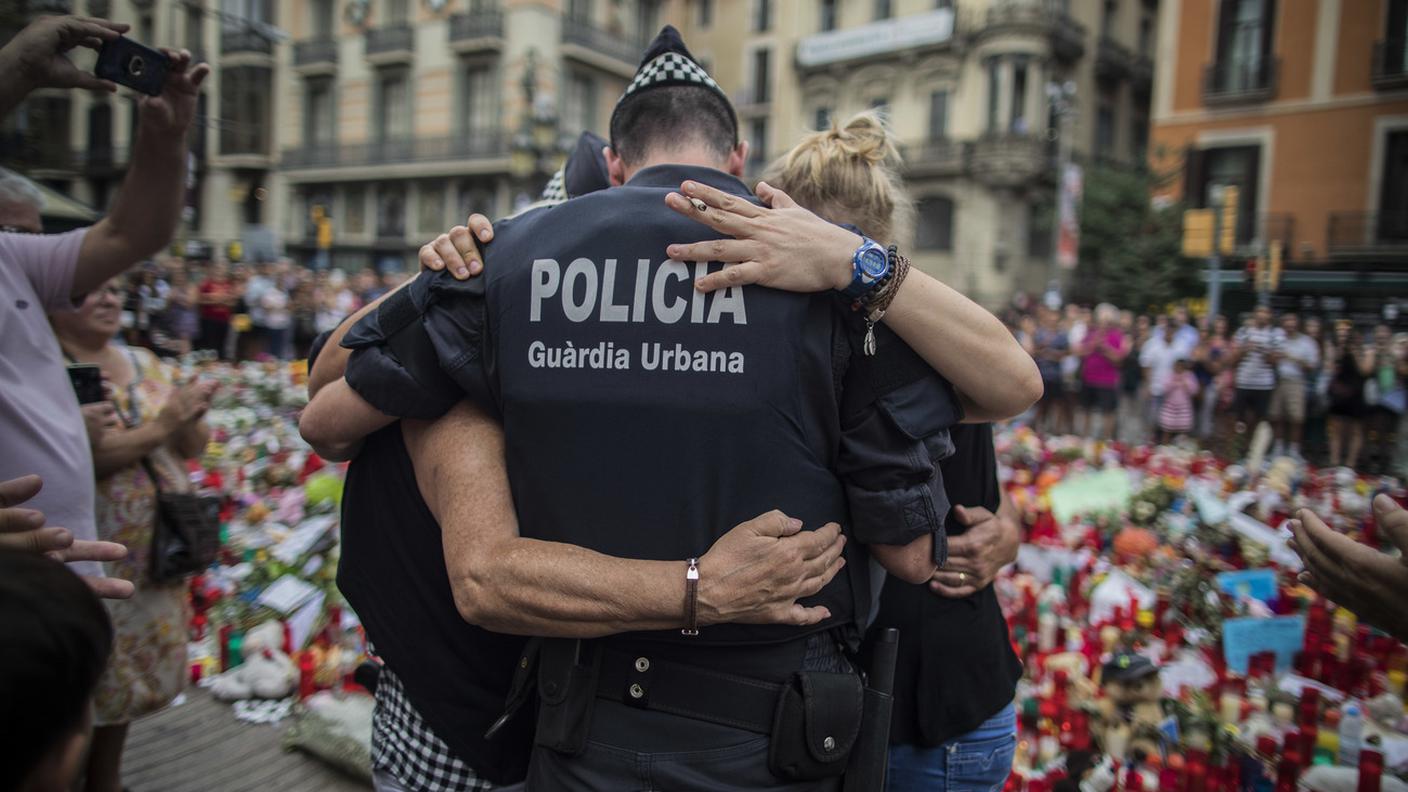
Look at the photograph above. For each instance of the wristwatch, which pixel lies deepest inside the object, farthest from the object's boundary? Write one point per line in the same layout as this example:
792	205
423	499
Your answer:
869	266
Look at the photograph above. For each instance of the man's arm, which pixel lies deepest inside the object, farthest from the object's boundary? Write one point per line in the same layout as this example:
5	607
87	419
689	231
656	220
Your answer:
510	584
144	214
331	364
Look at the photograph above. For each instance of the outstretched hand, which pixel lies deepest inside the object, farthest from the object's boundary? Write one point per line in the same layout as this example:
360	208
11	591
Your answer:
780	245
38	54
24	530
1373	585
755	573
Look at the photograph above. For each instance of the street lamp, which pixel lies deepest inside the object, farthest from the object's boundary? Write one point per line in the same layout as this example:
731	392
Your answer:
1062	98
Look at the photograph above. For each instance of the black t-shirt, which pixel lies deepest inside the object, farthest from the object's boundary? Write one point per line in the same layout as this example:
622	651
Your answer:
956	667
392	572
643	419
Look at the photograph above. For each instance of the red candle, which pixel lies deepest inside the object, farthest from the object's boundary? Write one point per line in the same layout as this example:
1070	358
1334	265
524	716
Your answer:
306	685
224	634
1371	770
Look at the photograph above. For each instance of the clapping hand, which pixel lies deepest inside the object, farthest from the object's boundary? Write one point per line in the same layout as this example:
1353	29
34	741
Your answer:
24	530
1373	585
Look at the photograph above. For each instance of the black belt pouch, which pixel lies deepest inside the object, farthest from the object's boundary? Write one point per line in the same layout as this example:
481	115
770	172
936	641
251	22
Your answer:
816	724
567	672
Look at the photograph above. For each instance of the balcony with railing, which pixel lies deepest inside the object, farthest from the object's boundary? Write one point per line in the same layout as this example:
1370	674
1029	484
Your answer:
102	160
1112	60
313	54
614	52
35	153
476	31
938	157
1368	234
391	44
1232	82
1010	160
1141	72
1390	64
478	145
245	40
1033	17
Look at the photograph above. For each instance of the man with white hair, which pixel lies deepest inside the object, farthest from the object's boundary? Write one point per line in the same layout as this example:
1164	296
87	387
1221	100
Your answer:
41	427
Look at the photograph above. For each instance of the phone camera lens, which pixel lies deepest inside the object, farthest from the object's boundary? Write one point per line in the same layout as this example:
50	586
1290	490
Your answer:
135	66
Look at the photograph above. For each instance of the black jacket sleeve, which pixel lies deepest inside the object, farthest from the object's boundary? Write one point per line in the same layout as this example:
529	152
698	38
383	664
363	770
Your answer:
421	351
896	413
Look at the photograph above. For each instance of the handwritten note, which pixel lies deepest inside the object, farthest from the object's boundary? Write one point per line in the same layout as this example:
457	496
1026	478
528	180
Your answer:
1256	583
1242	638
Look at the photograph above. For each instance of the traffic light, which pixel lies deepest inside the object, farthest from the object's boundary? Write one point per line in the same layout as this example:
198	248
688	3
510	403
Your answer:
1197	233
1227	242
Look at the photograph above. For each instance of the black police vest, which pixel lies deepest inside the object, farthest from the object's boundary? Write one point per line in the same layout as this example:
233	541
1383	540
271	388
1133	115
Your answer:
642	418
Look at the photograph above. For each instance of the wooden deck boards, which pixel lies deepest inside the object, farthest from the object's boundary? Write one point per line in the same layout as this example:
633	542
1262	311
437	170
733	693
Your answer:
201	747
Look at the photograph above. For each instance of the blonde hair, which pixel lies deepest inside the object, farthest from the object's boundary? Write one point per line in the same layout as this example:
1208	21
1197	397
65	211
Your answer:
847	175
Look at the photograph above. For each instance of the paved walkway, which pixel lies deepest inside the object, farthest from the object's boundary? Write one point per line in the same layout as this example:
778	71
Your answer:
200	747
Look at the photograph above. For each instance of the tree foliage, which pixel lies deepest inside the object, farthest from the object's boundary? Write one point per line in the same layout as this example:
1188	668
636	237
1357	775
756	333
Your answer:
1130	249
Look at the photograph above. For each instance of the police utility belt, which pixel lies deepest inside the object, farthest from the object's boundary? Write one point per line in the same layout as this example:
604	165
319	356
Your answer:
820	724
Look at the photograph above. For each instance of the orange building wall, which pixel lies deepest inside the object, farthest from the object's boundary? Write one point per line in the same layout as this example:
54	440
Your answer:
1195	45
1295	45
1319	163
1361	24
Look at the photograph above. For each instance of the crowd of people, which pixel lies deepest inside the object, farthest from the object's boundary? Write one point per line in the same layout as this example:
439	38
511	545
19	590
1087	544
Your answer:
1333	392
241	311
657	667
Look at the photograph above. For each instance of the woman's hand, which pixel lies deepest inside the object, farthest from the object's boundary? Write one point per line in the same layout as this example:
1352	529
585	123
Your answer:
459	249
186	405
780	245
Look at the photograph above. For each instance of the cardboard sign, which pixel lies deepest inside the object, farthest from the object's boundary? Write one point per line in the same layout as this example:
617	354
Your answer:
1090	493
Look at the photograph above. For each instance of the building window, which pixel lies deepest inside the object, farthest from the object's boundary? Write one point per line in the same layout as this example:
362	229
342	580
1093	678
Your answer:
884	9
579	112
828	15
1396	38
881	106
1244	45
579	10
994	82
758	141
938	115
1105	128
822	120
761	93
1393	194
478	99
398	12
1039	229
1019	124
475	197
1146	35
100	128
244	106
762	15
354	210
324	15
431	212
392	109
647	20
1237	166
1139	136
318	109
1107	19
706	13
943	5
391	211
934	229
195	26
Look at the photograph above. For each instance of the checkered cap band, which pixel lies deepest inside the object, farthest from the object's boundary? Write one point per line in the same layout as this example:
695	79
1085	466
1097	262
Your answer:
556	190
671	68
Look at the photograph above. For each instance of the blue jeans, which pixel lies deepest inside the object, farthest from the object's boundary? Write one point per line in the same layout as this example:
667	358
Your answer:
978	761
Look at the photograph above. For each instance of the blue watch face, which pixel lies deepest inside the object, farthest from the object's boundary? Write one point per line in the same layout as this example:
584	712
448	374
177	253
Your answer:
873	262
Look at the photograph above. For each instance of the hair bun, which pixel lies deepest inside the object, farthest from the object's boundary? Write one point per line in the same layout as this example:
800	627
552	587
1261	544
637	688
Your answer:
866	136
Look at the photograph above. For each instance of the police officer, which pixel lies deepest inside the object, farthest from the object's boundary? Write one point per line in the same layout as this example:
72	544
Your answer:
640	414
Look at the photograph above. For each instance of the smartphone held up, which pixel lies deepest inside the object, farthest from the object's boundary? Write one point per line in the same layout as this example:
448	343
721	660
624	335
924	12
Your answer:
134	65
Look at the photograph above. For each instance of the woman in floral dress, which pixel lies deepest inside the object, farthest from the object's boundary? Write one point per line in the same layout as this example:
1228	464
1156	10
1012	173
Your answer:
164	425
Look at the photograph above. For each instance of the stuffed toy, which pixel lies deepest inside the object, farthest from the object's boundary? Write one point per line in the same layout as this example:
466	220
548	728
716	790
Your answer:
266	672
